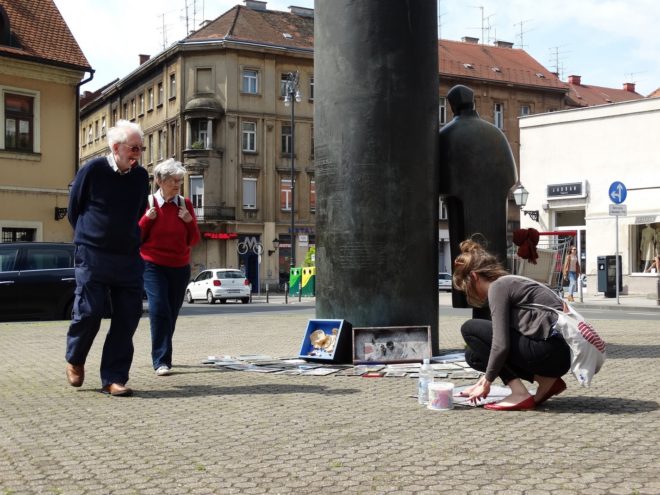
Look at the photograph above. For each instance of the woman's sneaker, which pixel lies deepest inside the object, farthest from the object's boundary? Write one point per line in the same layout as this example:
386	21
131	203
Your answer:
163	371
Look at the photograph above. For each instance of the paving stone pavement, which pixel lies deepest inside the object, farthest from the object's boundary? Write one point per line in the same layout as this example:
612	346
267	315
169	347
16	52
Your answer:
202	431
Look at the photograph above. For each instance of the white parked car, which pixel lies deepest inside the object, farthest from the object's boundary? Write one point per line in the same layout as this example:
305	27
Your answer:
219	284
444	281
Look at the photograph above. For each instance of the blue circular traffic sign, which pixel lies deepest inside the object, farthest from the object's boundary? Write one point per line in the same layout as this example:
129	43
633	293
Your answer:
618	192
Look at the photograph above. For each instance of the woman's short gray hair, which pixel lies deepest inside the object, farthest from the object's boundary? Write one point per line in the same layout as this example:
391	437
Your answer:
168	168
121	130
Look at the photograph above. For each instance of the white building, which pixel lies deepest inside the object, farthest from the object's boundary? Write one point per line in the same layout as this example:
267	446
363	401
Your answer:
568	161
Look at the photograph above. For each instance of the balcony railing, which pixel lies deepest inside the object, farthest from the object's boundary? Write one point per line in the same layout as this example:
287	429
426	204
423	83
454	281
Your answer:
215	213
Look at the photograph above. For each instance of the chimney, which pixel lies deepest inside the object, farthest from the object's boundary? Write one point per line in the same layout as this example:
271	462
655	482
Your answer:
301	11
143	58
470	39
574	80
255	4
629	87
503	44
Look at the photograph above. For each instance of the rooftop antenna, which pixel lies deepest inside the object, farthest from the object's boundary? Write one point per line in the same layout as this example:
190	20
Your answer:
522	33
557	63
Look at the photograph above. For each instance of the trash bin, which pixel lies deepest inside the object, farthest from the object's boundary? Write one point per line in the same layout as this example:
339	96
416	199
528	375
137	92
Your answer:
607	275
309	281
294	280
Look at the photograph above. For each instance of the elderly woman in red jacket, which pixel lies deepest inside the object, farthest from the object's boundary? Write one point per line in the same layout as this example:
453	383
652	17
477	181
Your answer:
169	230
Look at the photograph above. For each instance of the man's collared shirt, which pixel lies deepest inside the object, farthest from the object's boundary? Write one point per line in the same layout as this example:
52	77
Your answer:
113	165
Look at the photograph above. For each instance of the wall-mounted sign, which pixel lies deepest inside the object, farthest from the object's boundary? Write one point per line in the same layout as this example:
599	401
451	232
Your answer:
220	235
567	190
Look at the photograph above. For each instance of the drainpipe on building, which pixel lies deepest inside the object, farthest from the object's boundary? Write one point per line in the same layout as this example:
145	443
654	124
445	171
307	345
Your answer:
84	81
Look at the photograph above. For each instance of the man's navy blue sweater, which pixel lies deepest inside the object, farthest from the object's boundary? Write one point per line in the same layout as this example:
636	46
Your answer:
105	206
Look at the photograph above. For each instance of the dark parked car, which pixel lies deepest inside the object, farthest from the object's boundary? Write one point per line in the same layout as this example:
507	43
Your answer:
37	281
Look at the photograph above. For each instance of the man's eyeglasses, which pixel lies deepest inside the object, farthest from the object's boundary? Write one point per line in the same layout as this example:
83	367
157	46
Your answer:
134	149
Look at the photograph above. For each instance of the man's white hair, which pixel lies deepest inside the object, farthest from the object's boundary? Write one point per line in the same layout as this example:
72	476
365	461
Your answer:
122	130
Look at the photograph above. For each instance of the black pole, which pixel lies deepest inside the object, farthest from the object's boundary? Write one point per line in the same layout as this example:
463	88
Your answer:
292	96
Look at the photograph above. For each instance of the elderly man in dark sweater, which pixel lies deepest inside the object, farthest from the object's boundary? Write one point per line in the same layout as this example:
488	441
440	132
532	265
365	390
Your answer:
108	197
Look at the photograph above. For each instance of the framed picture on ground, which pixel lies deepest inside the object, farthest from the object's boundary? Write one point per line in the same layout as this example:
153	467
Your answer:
403	344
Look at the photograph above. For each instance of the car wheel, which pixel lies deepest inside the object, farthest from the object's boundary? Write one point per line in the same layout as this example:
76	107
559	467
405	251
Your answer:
245	300
189	297
223	301
209	297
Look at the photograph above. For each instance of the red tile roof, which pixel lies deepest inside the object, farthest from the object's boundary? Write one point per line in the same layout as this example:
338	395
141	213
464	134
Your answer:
39	33
268	27
494	63
582	95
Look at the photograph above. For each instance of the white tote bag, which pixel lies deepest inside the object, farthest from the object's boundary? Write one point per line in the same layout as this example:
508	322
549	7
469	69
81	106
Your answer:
587	348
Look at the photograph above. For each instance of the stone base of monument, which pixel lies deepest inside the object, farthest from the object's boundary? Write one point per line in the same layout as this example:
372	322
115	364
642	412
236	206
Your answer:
402	344
327	341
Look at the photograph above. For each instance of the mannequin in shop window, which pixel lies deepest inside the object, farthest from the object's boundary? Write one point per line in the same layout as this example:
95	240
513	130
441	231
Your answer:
654	267
647	246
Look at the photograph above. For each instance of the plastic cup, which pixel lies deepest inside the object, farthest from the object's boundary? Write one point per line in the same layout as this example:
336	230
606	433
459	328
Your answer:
441	396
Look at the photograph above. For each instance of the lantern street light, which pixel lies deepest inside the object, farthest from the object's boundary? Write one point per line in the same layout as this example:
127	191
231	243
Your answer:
520	196
292	97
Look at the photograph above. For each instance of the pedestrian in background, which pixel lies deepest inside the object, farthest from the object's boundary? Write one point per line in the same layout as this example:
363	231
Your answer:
519	342
107	199
169	231
572	271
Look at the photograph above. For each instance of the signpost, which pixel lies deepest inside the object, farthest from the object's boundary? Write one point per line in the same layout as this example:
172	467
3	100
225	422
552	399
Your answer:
617	193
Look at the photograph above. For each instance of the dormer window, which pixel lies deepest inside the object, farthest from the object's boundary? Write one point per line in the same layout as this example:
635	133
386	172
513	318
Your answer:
468	66
495	69
540	76
287	36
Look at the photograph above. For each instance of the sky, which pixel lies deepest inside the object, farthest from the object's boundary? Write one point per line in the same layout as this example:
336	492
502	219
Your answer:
606	42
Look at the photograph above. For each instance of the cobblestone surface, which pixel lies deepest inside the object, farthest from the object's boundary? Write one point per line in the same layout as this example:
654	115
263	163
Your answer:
202	431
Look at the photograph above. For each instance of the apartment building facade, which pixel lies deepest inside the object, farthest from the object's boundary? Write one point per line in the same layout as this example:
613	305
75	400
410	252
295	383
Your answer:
41	70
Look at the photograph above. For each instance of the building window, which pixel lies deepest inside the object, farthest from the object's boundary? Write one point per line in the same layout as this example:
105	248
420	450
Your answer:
249	136
524	110
19	122
311	87
172	138
312	141
250	193
90	135
284	81
498	116
285	194
172	86
161	145
141	103
161	94
125	110
203	81
286	139
150	99
312	195
103	126
150	148
200	136
17	234
442	111
250	81
133	108
114	116
96	130
197	195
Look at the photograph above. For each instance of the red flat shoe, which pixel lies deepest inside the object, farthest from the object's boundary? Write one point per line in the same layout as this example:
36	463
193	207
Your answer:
557	388
527	404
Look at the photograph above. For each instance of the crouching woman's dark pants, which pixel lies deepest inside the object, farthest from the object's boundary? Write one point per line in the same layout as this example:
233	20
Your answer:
527	357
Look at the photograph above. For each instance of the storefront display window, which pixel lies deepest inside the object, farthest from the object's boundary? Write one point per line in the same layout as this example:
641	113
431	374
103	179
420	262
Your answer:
645	243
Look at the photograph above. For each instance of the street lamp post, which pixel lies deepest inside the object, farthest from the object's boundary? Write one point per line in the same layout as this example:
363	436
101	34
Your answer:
292	97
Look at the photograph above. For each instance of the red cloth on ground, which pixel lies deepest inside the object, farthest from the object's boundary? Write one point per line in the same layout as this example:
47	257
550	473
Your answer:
527	240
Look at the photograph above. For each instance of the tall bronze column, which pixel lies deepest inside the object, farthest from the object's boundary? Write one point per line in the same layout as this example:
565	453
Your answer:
375	126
